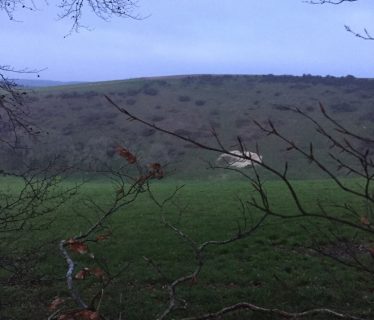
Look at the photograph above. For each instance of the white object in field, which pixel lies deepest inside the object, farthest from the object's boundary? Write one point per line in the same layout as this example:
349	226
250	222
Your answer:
238	162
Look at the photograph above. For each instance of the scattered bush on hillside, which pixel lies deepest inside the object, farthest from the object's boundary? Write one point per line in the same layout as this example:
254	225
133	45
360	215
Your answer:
212	80
69	95
343	107
111	152
68	130
365	96
300	86
187	81
214	124
110	115
172	152
184	98
190	146
157	118
280	107
367	117
183	132
327	92
161	83
200	102
130	102
150	91
76	108
133	92
239	123
148	132
90	95
109	123
31	99
91	119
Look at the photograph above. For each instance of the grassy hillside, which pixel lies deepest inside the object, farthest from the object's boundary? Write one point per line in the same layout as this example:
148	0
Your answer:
79	124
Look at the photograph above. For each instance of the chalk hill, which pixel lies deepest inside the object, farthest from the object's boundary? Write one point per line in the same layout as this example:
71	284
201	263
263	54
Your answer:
84	128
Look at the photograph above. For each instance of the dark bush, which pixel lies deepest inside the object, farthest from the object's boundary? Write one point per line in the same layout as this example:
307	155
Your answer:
91	94
92	118
31	99
200	102
157	118
242	123
214	124
148	132
184	98
68	130
280	107
300	86
161	83
130	102
190	146
182	132
150	91
133	92
368	117
69	95
343	107
365	96
172	152
111	115
110	152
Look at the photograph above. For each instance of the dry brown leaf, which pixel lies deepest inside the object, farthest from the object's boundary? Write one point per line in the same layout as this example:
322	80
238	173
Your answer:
57	301
77	246
124	153
365	220
102	237
82	274
98	273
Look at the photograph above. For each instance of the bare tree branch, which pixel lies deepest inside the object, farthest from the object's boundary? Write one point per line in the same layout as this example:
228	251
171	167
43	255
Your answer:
273	312
336	2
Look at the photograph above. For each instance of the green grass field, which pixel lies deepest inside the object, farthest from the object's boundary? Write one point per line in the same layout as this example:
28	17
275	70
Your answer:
274	267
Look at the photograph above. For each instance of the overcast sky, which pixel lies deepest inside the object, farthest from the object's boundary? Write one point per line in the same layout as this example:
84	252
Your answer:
194	37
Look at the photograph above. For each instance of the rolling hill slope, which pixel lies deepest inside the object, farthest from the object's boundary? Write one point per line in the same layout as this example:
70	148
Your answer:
78	123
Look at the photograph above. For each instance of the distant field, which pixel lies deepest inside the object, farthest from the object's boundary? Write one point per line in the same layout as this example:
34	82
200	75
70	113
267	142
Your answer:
79	124
272	268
